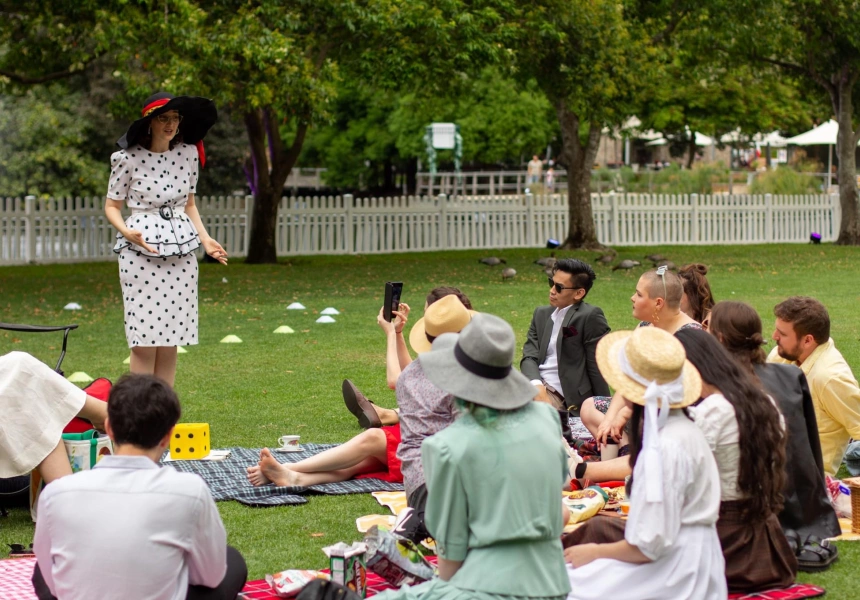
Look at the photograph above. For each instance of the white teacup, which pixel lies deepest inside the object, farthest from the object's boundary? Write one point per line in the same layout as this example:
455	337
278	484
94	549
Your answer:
289	443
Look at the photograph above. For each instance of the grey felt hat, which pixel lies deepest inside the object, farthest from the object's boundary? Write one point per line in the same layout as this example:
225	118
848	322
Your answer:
479	366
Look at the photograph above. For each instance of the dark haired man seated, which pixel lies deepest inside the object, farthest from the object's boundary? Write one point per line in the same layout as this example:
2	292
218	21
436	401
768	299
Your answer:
558	356
129	528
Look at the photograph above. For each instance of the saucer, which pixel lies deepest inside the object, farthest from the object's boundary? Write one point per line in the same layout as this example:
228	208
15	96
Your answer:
289	449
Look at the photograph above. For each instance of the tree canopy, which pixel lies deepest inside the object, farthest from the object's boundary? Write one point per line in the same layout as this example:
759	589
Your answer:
352	83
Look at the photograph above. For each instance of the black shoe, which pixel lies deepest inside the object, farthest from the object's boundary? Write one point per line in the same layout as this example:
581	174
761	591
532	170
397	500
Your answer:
360	406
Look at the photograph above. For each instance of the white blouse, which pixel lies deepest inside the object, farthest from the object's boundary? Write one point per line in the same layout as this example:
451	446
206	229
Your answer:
690	490
715	417
156	187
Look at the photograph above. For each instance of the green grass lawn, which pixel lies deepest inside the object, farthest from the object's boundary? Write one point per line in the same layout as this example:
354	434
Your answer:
271	385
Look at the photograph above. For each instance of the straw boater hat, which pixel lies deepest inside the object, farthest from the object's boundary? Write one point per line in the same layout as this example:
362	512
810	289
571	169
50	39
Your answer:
479	366
198	115
446	315
631	360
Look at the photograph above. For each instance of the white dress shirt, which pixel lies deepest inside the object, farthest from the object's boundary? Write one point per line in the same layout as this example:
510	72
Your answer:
129	529
549	368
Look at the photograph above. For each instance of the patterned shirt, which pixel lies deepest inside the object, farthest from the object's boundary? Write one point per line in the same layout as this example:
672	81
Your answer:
424	410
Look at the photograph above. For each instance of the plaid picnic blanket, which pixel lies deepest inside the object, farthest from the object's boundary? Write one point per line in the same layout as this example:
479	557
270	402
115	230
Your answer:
227	479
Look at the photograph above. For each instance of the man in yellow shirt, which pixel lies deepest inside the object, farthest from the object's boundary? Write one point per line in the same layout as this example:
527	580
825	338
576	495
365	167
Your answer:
802	335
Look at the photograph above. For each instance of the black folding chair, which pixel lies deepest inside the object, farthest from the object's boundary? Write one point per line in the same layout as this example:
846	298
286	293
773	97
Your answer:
16	489
44	329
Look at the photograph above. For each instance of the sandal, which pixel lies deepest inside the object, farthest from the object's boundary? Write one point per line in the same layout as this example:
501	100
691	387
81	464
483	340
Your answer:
793	539
816	555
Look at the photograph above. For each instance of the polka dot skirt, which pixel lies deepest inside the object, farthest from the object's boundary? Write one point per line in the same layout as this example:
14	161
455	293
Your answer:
159	299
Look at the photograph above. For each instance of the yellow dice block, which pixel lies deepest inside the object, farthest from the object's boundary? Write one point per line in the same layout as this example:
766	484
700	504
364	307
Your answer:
190	441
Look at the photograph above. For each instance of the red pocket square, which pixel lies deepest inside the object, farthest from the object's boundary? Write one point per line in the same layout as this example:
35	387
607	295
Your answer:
569	331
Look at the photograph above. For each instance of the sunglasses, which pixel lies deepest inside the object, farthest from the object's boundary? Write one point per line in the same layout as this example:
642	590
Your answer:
558	287
166	119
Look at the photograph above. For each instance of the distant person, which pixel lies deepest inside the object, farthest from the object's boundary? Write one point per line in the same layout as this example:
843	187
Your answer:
802	335
535	170
129	528
550	180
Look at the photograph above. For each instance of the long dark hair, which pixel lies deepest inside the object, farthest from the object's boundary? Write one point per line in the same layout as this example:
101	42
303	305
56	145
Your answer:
761	477
636	434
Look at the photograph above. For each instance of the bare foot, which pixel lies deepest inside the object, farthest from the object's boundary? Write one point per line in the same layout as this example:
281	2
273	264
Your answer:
279	474
256	477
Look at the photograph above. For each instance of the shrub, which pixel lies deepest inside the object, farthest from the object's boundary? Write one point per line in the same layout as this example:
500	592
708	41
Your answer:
785	180
671	180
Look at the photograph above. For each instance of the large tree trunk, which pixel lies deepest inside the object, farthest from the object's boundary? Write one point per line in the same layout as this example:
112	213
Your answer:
578	160
264	218
846	150
271	164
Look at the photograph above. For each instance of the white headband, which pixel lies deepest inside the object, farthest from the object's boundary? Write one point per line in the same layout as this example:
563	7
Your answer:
671	392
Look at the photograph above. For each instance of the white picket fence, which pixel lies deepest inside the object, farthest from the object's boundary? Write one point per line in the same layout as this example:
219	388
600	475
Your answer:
76	230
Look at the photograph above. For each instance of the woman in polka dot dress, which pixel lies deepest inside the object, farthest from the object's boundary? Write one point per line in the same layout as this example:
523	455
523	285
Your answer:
155	173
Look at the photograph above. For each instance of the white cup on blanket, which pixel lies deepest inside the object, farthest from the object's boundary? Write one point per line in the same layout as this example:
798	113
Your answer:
289	443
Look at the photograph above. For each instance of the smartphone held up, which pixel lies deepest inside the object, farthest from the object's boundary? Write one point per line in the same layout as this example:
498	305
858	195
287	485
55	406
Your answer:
393	291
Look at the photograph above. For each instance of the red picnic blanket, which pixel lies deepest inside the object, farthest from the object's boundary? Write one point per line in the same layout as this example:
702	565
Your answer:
16	574
260	590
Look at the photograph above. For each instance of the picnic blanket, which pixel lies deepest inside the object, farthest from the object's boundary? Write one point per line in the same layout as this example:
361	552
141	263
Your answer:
16	579
260	590
847	534
227	479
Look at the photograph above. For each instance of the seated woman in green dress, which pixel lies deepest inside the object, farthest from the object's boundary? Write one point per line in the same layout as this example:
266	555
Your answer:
494	477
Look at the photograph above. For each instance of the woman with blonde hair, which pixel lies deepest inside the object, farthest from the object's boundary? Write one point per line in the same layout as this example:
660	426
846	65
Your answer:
656	303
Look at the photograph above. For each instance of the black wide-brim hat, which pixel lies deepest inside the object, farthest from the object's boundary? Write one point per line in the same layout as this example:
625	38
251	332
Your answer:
198	116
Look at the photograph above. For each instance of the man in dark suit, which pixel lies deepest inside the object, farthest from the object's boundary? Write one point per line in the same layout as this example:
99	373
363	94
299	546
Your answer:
558	356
